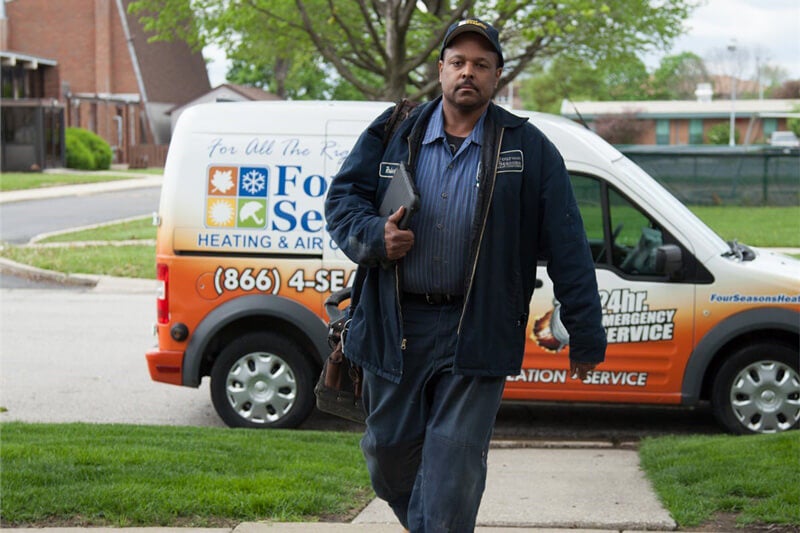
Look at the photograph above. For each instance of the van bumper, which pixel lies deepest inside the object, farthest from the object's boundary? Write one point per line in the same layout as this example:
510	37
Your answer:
165	366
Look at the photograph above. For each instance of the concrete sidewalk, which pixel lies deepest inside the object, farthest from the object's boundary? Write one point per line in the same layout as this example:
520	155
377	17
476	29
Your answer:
147	180
563	486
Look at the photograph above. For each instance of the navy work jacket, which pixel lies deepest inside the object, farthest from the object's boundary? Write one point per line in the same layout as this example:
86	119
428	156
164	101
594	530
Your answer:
525	211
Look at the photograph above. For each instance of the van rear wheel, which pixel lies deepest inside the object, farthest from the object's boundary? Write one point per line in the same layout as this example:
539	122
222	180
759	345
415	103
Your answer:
757	390
262	380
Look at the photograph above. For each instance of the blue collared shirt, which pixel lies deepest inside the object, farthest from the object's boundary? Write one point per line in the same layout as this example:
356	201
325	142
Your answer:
448	188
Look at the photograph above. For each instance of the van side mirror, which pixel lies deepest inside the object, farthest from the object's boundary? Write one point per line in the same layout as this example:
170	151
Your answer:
669	260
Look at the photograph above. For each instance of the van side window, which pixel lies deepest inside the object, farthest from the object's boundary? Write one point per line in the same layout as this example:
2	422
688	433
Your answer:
635	237
587	193
619	233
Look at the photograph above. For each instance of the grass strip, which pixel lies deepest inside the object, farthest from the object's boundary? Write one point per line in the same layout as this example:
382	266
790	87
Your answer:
134	261
16	181
139	229
755	477
120	475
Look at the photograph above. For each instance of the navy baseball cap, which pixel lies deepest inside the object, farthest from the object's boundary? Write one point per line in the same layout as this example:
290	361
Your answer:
477	26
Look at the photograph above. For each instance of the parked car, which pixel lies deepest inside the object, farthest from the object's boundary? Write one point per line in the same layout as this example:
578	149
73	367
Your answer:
245	264
784	139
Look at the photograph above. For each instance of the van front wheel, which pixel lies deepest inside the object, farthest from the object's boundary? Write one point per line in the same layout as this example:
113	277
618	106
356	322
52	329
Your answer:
262	380
757	390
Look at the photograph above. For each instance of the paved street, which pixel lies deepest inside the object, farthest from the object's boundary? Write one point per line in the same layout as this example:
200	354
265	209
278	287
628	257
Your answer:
78	355
22	220
74	354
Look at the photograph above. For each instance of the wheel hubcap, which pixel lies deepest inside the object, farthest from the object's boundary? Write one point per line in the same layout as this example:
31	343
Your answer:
261	387
765	397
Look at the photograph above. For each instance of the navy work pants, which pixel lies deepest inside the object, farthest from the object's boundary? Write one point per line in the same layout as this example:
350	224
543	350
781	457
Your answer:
428	436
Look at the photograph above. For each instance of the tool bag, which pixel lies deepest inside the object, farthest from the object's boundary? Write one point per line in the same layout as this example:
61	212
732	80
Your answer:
338	389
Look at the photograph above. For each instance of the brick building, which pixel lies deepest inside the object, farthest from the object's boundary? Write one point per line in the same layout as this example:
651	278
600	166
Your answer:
685	121
87	63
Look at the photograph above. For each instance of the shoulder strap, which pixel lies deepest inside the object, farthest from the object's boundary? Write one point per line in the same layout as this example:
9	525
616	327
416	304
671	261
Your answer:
400	113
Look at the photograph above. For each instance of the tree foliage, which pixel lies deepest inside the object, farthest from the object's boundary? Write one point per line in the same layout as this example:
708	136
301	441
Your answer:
789	89
386	49
721	134
794	123
623	78
677	77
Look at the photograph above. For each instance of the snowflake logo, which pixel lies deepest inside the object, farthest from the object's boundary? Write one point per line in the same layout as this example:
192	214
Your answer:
253	182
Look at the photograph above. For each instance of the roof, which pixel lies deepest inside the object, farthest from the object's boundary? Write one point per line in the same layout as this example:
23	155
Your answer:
223	92
9	59
678	108
171	71
251	93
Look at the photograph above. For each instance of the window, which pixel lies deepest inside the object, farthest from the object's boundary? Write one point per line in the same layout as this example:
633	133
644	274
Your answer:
662	131
770	125
620	235
696	131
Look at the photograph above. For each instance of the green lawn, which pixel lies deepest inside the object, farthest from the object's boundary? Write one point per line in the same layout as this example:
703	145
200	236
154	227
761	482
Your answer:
757	226
139	229
127	475
123	476
135	261
755	477
14	181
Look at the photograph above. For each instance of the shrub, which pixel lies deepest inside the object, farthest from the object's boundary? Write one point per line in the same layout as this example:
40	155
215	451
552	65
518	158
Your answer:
721	134
87	150
623	128
794	123
79	156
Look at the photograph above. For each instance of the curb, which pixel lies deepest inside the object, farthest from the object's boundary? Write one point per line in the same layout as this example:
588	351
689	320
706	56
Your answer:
81	188
8	266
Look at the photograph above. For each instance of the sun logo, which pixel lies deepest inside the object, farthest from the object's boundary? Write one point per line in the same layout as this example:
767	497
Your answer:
221	212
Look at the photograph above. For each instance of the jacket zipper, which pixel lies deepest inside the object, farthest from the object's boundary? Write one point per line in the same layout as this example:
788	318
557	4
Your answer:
483	229
403	340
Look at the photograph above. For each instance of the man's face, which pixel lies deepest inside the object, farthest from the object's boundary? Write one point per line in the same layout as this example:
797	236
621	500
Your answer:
468	72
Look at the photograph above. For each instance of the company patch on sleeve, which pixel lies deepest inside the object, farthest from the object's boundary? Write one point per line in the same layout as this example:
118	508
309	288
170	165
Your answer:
510	161
388	170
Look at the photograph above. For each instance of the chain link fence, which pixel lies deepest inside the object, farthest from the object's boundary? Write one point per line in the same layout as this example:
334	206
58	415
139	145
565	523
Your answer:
722	175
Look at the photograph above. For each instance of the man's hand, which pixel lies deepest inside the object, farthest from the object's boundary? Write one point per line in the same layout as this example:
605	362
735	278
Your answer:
580	370
398	241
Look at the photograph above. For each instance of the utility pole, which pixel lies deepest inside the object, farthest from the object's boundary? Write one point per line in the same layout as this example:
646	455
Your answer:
732	140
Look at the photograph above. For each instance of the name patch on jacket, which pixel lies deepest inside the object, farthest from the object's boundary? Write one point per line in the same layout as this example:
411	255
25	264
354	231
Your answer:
510	161
388	170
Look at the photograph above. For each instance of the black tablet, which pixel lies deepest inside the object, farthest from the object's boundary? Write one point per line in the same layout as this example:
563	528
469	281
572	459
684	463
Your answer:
401	192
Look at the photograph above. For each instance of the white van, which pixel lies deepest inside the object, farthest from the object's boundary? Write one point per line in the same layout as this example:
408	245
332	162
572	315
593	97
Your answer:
245	265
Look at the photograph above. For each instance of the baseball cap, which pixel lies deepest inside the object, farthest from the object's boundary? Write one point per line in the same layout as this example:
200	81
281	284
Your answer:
477	26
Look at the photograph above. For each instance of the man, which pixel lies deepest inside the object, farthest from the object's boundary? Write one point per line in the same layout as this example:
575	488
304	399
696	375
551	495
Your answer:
441	308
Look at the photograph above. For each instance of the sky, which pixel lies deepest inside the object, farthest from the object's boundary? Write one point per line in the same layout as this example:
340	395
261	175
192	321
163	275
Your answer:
770	28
